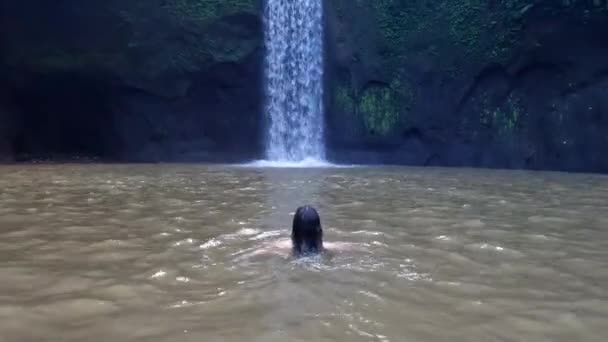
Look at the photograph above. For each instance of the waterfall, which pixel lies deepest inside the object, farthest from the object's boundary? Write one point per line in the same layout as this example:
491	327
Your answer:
294	79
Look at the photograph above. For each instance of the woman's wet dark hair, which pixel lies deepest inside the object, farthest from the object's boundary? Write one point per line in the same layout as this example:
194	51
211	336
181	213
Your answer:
306	233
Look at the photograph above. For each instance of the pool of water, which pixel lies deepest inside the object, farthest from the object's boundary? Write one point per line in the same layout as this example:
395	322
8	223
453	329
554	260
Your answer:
167	253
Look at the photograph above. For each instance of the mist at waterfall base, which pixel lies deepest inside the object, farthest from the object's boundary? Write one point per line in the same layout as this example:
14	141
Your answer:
293	34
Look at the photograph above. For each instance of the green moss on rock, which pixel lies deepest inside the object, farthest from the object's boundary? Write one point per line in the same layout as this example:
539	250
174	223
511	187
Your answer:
139	40
384	109
344	99
206	10
379	110
473	29
507	117
454	34
503	119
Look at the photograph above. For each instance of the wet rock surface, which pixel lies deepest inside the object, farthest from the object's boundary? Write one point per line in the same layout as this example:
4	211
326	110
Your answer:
505	84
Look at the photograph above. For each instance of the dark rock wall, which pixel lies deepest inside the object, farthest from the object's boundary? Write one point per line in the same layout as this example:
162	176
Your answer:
132	80
483	83
508	84
9	125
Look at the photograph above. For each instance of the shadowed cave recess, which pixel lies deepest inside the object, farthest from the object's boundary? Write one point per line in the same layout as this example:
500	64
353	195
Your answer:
502	84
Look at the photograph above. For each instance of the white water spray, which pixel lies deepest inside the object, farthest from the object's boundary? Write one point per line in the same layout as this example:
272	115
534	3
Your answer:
294	80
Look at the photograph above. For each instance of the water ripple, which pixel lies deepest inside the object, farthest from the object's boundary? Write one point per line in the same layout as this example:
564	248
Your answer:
171	252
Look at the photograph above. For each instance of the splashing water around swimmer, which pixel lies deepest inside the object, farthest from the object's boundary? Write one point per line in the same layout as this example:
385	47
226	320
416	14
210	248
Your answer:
306	237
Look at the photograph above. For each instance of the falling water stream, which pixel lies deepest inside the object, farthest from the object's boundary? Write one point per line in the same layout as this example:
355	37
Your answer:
294	80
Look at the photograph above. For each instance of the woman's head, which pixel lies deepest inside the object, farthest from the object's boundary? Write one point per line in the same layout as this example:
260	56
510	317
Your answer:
306	233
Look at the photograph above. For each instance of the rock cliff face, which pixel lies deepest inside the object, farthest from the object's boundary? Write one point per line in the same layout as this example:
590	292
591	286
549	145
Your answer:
139	80
510	84
485	83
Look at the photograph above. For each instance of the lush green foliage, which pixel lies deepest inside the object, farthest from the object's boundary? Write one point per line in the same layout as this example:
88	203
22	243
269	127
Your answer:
141	39
379	110
206	10
456	38
505	118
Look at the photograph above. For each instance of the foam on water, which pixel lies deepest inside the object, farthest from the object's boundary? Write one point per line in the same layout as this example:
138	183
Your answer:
305	163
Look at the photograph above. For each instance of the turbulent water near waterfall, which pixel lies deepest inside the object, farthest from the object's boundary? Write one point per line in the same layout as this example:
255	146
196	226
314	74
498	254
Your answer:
294	80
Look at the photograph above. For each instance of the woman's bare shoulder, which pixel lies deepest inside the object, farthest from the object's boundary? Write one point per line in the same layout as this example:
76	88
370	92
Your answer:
342	246
280	247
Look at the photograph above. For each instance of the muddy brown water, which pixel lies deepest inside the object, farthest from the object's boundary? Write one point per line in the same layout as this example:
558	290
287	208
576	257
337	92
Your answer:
165	253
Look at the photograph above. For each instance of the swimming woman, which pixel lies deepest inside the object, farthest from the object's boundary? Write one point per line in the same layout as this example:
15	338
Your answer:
306	237
306	232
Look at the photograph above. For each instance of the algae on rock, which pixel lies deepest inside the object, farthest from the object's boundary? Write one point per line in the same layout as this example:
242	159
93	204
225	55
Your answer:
141	41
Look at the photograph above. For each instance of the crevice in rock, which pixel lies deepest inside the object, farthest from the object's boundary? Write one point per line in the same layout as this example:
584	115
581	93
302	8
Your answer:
64	115
598	78
487	75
